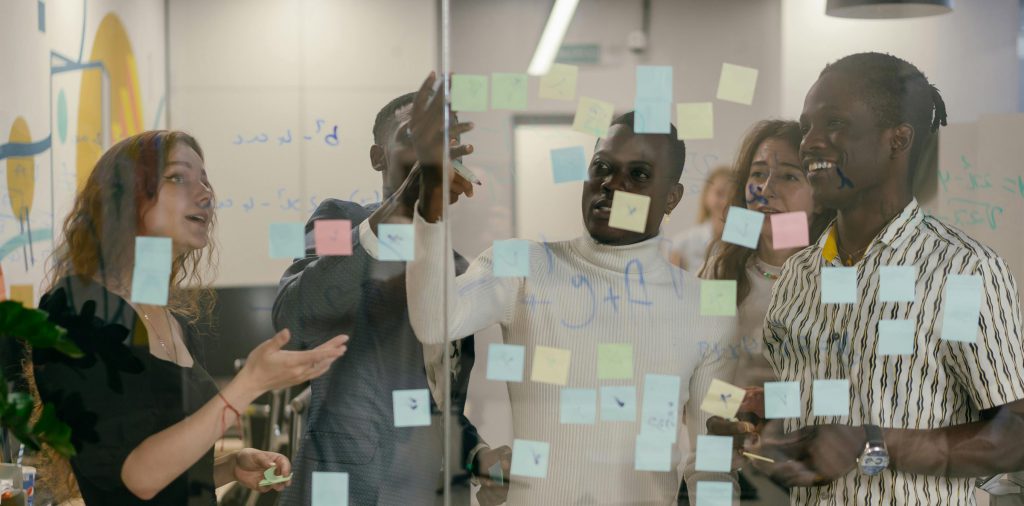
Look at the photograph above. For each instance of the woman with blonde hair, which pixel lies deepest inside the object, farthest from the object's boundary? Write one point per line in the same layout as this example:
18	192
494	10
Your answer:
690	247
143	411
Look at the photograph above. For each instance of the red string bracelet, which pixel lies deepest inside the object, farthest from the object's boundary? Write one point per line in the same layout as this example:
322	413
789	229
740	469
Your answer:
223	422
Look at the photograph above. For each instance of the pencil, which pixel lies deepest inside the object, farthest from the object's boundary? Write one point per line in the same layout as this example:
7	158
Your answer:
758	457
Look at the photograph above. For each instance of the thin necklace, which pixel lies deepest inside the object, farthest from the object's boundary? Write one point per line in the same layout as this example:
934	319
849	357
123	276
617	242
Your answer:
849	257
174	357
763	272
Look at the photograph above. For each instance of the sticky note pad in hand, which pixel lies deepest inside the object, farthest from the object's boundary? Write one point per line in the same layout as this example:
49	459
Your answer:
505	362
653	454
723	399
152	272
550	365
695	120
961	308
593	116
411	407
559	83
714	493
578	406
269	478
629	211
714	453
831	397
333	237
789	230
897	283
896	337
330	489
396	242
469	93
618	403
530	458
615	361
508	91
737	84
743	227
781	399
569	164
718	297
838	285
287	240
511	258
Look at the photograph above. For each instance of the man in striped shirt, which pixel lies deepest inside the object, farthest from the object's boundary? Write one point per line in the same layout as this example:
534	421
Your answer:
949	404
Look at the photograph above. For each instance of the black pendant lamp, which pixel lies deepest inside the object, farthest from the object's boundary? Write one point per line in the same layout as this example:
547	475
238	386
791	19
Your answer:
887	9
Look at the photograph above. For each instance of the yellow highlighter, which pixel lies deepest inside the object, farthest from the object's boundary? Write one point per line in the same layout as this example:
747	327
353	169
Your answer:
758	457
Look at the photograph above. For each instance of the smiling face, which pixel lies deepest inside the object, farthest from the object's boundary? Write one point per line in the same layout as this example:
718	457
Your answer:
183	208
777	183
640	164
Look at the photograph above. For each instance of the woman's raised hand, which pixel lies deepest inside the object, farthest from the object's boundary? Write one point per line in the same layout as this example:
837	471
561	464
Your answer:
269	367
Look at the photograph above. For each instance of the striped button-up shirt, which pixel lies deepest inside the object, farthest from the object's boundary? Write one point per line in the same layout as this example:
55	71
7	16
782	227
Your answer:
942	383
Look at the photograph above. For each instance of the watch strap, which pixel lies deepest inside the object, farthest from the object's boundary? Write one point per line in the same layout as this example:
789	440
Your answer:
873	434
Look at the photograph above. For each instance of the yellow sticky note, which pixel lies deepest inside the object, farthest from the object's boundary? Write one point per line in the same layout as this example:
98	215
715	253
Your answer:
550	365
23	294
593	116
629	211
615	361
723	399
718	297
695	120
559	83
737	84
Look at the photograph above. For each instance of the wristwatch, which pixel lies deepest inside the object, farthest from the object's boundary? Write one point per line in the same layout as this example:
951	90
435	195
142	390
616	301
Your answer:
875	457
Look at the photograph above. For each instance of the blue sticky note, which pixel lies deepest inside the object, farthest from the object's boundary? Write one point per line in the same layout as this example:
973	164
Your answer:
961	308
654	83
831	397
743	227
330	489
714	453
896	283
397	242
579	406
838	285
653	454
896	337
287	240
505	362
714	493
782	399
530	458
650	117
511	258
152	272
569	164
660	413
412	407
618	404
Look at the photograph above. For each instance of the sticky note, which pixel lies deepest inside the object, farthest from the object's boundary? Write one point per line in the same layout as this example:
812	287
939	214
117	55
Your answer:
469	93
652	454
723	399
152	272
838	285
718	297
330	489
961	308
333	237
714	493
618	403
789	230
396	242
511	258
831	397
654	83
505	362
593	116
629	211
615	361
287	240
550	365
897	283
412	407
496	473
896	337
651	117
714	453
270	477
743	227
569	164
781	399
530	458
737	83
559	83
660	413
578	406
508	91
695	120
24	295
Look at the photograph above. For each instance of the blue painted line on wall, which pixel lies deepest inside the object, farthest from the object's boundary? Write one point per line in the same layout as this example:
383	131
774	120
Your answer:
24	148
16	242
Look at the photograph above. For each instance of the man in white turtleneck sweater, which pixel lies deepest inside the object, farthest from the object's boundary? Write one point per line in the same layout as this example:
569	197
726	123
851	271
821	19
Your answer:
609	287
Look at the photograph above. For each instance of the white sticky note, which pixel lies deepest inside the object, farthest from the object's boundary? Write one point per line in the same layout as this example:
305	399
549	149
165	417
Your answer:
896	283
396	242
961	308
559	83
743	227
896	337
714	493
737	84
831	397
618	403
695	120
781	399
838	285
505	362
629	211
578	406
330	489
653	454
530	458
412	407
593	116
550	365
660	414
714	453
723	399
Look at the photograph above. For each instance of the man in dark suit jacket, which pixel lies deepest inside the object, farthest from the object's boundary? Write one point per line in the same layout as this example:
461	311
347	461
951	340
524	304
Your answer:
350	425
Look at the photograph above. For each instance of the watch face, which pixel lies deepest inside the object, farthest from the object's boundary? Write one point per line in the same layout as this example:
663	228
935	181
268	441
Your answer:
874	461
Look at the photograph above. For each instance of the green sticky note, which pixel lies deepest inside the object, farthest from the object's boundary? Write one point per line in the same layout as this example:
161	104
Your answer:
469	93
743	227
511	258
695	120
330	489
593	116
578	406
411	407
781	399
508	91
505	362
714	453
714	493
831	397
896	337
396	242
629	211
530	458
737	84
152	271
896	283
270	478
287	240
618	404
615	361
559	83
653	454
838	285
961	308
718	297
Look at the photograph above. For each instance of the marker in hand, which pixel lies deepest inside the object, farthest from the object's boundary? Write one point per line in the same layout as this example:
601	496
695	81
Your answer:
467	174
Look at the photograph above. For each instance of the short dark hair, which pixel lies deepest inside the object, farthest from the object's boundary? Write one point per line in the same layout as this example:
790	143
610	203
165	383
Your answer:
385	122
677	148
897	92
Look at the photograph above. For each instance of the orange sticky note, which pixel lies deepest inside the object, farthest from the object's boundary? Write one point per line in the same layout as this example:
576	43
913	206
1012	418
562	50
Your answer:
789	230
23	294
333	237
550	365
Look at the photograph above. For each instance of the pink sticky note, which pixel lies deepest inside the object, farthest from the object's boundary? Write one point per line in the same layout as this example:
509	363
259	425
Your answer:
333	237
789	230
